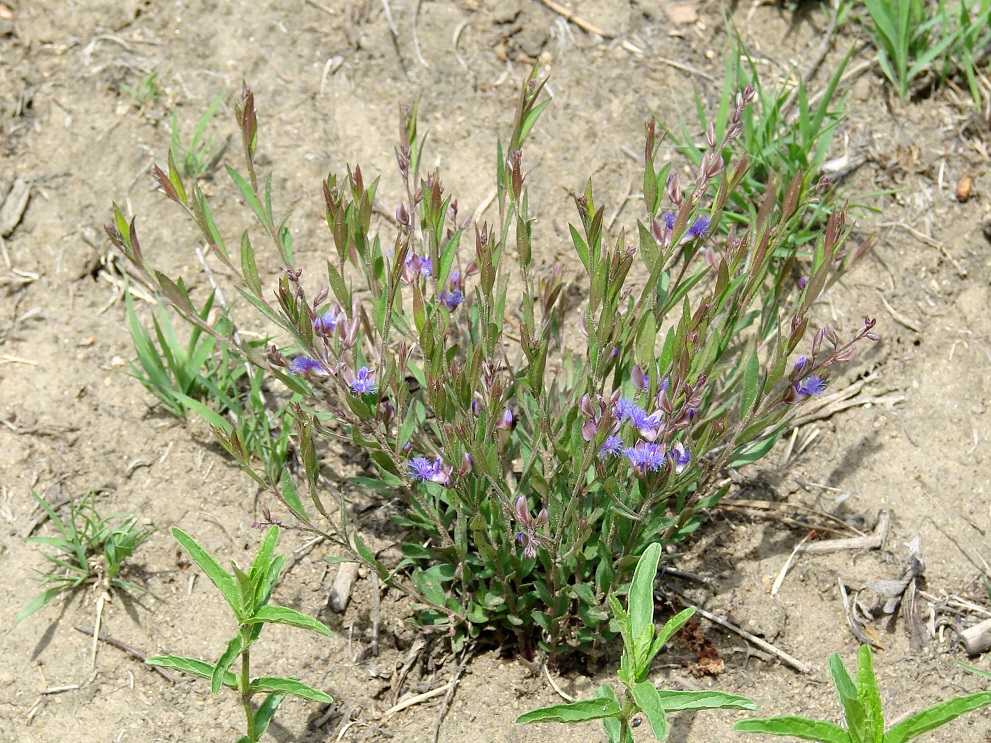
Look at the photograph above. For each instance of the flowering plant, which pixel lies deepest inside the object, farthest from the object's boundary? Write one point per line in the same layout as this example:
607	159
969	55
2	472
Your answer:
539	450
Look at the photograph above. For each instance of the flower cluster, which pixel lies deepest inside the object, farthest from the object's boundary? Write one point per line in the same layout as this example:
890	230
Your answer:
423	469
653	449
527	533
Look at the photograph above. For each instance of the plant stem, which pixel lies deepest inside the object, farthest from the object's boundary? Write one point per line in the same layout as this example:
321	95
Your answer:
243	685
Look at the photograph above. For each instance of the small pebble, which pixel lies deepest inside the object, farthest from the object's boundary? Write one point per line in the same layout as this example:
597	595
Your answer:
964	186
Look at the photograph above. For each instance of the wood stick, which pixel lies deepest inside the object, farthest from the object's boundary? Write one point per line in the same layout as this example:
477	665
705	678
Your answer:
560	692
762	644
569	16
340	592
415	700
977	639
873	541
450	692
130	650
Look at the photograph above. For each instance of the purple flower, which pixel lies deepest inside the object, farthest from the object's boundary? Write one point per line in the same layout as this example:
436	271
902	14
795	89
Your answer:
612	445
304	366
641	380
800	363
452	300
648	425
814	386
363	382
506	421
419	264
699	226
680	456
326	324
669	219
430	470
623	407
527	535
645	457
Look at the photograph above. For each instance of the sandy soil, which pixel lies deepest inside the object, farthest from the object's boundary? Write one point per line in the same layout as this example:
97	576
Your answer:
328	83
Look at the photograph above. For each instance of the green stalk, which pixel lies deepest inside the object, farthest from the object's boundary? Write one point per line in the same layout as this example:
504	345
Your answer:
243	684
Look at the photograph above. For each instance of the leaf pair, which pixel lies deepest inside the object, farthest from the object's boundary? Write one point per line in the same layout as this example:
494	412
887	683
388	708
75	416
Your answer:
247	594
861	704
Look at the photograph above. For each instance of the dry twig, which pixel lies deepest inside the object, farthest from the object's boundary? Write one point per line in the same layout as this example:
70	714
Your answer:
450	691
873	541
132	651
569	16
786	659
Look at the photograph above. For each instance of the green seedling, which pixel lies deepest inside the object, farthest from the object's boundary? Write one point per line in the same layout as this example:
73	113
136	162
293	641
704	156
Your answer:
174	372
916	37
146	91
786	135
247	595
205	377
200	157
90	550
861	704
641	644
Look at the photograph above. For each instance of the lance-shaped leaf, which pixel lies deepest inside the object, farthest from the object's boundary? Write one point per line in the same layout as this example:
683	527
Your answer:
224	582
192	666
581	711
234	647
649	701
797	727
285	615
936	716
289	686
673	701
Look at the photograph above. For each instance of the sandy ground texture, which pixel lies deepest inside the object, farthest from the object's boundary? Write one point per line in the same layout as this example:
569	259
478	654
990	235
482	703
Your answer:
328	79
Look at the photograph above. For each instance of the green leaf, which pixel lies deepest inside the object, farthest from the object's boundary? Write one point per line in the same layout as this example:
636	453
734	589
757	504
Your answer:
289	686
936	716
335	560
853	708
290	493
205	412
37	603
641	597
751	390
218	576
248	267
674	624
266	711
798	727
285	615
868	695
673	701
234	647
430	583
192	666
648	700
753	452
260	565
581	711
580	246
611	725
248	195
